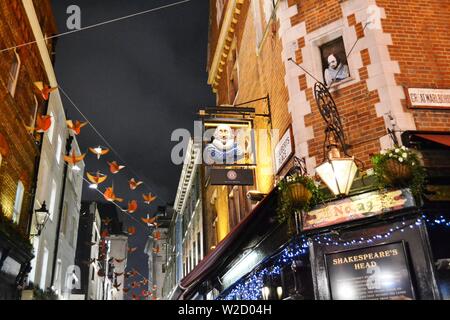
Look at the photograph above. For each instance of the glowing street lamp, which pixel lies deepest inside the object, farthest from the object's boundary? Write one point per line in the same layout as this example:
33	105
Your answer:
42	216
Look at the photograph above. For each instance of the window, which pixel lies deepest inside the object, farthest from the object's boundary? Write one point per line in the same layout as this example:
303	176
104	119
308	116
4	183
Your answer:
92	273
59	150
199	249
64	219
52	206
18	202
334	61
73	232
44	269
52	128
58	274
13	74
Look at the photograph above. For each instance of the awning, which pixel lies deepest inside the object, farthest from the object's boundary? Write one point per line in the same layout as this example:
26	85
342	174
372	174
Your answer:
438	138
216	257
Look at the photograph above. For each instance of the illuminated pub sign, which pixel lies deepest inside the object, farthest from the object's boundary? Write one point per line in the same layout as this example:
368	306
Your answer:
228	151
375	273
357	207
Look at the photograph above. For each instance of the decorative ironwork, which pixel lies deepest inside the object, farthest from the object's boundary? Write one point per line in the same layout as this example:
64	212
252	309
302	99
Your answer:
334	131
298	167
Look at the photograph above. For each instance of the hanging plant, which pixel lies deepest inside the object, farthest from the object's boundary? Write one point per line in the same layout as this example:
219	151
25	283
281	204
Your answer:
296	193
399	167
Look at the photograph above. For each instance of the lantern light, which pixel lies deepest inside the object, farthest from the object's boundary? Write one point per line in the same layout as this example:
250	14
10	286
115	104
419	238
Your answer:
42	216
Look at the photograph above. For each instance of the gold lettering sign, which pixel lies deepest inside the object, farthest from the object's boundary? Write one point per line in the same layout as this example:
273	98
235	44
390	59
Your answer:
357	207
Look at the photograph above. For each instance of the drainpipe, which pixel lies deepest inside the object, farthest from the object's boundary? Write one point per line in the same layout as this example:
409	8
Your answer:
61	206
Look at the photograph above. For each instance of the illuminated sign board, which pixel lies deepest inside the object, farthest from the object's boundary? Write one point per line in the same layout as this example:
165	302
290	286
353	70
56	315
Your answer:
373	273
357	207
429	98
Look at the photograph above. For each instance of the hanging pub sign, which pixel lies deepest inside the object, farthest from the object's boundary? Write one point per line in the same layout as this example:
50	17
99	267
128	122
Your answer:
228	150
357	207
243	177
420	98
283	150
375	273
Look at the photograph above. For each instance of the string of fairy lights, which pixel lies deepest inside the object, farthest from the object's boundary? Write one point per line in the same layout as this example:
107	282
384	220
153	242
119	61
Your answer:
250	287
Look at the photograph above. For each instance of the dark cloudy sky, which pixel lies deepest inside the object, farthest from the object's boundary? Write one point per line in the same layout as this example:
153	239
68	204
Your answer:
136	80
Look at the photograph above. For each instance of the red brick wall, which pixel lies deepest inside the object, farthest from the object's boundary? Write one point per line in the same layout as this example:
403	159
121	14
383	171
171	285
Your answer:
421	45
18	111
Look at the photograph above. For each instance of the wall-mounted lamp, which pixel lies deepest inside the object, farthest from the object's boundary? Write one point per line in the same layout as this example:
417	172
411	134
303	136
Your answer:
336	172
42	216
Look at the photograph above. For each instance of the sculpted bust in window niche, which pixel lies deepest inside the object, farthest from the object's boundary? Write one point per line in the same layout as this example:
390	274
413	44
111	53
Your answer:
336	71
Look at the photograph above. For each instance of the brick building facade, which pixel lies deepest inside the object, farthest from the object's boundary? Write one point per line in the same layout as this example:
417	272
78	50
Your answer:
19	106
382	50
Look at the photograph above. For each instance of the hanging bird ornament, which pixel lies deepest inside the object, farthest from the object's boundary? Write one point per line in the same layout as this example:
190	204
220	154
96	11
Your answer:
132	231
114	167
44	89
96	179
76	126
43	124
148	198
134	184
99	151
73	159
111	196
132	207
149	221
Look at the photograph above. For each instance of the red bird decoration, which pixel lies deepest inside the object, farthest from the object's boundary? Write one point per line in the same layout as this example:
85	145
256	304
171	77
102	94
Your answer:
104	234
157	235
111	196
114	167
117	274
144	281
135	297
73	158
131	250
134	184
132	206
148	198
149	220
120	260
44	89
99	151
125	290
117	285
76	126
101	273
96	178
131	230
156	249
135	285
43	124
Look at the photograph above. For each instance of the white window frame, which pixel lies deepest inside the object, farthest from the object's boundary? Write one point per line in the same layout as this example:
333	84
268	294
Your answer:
18	202
44	267
13	78
51	131
58	149
52	205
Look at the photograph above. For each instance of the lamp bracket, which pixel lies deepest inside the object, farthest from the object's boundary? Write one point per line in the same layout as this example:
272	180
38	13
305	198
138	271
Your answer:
329	112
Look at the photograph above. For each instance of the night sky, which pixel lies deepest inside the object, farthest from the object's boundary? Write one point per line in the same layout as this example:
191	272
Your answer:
136	80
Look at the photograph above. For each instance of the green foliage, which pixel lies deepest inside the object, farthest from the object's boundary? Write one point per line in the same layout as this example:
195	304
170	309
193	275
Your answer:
48	294
410	159
286	206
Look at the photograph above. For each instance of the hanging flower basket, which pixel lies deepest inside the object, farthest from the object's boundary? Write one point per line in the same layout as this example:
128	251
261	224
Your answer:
397	173
296	193
299	194
399	167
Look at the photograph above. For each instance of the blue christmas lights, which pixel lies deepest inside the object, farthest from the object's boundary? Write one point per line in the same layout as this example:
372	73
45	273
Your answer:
250	287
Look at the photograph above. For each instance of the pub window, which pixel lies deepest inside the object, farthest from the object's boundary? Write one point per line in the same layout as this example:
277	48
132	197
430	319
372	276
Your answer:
52	127
52	206
13	74
18	202
58	149
64	219
334	62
